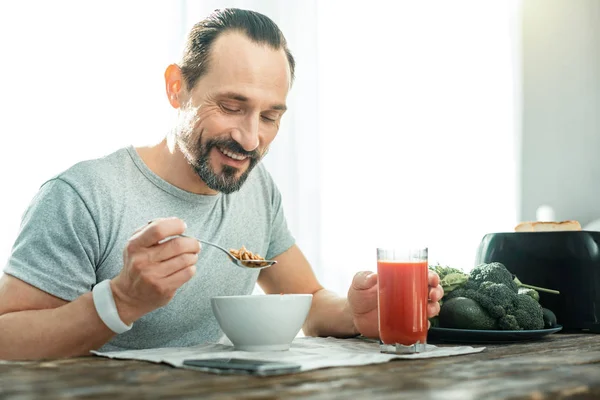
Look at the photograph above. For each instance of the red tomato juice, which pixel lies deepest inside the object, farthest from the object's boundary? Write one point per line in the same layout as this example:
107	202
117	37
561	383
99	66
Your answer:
403	293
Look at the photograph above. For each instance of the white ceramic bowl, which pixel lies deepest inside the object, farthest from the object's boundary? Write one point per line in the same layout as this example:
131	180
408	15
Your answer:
261	322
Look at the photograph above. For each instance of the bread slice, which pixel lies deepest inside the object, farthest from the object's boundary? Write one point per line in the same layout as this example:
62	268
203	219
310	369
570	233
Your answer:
542	226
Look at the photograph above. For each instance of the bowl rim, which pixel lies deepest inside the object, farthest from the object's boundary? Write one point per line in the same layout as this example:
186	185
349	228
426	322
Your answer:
247	296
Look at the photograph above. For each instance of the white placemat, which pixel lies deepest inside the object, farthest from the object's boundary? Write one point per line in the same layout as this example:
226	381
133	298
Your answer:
309	352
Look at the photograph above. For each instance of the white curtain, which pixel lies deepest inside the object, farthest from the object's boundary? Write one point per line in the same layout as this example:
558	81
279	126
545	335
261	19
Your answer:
403	120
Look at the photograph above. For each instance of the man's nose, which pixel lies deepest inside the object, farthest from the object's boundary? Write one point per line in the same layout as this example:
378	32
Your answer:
247	135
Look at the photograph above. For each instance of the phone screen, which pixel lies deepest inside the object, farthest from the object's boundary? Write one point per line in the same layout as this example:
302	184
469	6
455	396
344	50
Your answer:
253	366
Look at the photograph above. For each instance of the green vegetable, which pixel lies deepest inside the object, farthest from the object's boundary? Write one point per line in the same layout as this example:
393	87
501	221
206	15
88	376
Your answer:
493	272
530	292
528	313
496	272
453	281
496	299
549	318
464	313
491	298
450	278
508	323
443	271
492	287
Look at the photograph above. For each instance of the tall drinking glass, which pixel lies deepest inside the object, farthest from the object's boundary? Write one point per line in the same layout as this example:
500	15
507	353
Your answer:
402	295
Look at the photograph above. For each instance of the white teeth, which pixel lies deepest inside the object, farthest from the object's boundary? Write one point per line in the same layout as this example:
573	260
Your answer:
235	156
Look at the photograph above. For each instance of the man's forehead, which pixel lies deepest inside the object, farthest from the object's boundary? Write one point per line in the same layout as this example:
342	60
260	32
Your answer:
233	41
234	52
243	70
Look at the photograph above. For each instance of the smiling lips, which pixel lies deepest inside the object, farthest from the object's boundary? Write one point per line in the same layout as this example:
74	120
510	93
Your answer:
230	154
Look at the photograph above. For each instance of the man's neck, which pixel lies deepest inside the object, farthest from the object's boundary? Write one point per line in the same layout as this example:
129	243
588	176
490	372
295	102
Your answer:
166	160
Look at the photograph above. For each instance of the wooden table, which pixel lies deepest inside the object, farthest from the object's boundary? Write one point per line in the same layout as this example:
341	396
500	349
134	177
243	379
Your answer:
560	366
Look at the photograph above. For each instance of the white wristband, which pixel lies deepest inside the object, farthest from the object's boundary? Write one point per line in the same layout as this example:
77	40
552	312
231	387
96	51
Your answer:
107	309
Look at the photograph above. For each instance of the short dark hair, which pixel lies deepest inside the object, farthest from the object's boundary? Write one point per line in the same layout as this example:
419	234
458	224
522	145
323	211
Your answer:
257	27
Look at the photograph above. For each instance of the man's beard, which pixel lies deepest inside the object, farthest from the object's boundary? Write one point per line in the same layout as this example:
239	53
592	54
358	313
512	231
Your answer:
227	181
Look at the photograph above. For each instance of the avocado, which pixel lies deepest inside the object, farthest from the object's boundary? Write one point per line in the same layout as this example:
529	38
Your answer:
464	313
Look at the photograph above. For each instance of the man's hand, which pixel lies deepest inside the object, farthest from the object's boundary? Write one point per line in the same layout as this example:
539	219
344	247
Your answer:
153	271
362	299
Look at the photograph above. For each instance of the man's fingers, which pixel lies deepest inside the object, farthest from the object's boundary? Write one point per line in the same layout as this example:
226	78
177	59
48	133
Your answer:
173	248
158	230
138	230
143	226
180	277
172	266
364	280
436	293
433	309
433	279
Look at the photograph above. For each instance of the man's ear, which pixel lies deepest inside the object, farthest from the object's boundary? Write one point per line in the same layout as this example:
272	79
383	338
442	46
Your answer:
173	83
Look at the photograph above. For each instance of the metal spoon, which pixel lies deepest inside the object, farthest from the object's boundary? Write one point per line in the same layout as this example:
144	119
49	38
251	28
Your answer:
239	263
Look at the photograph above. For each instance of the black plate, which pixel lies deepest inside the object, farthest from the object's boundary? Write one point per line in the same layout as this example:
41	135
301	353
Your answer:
481	336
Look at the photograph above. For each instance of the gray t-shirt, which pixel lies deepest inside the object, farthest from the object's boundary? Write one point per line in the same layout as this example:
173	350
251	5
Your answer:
73	234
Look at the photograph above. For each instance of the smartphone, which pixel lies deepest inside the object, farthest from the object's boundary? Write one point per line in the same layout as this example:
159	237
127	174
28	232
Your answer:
256	367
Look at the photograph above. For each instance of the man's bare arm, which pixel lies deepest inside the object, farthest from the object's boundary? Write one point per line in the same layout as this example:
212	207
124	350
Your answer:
36	325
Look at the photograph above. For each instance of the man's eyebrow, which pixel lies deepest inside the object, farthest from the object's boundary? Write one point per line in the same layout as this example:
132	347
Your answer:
241	98
279	107
234	96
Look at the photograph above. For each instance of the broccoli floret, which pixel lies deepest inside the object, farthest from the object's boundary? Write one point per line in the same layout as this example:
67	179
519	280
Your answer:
494	272
530	292
528	312
496	298
470	285
509	323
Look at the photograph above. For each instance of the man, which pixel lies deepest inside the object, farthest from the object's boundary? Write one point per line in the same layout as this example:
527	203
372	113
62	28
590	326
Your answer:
78	279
